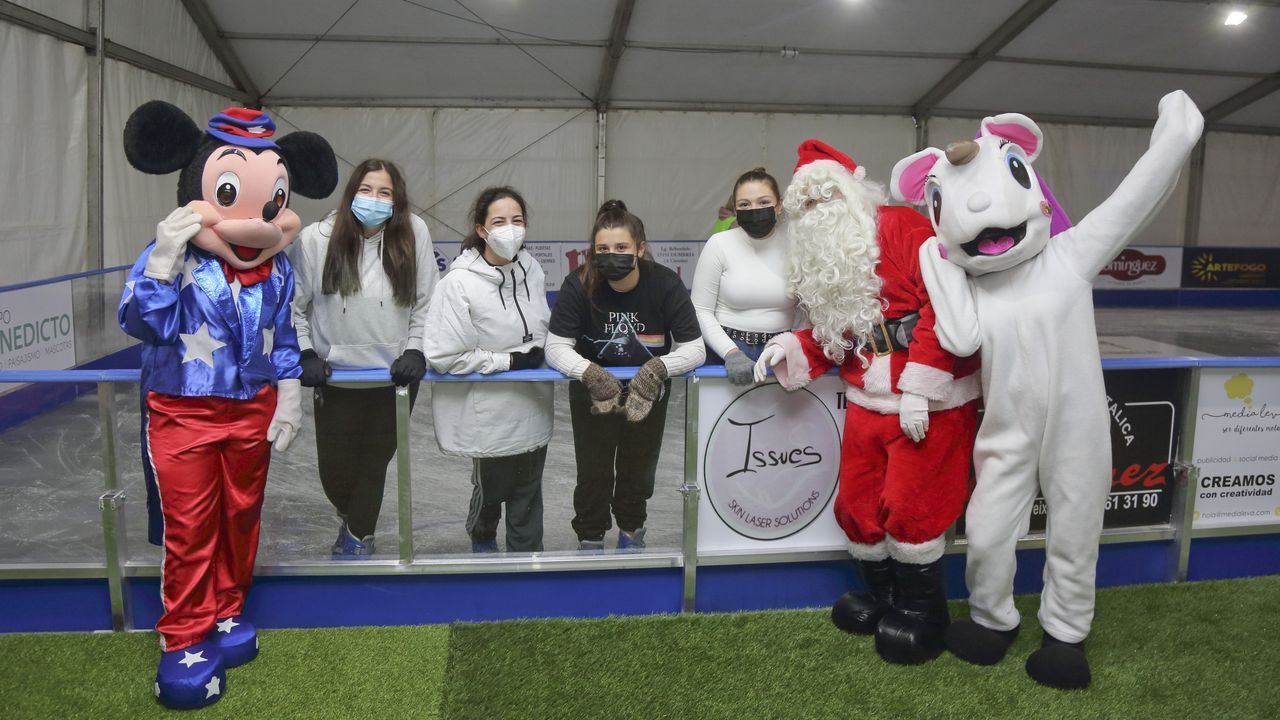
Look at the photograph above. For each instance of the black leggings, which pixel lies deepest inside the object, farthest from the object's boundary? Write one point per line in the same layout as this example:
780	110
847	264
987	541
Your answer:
617	461
355	441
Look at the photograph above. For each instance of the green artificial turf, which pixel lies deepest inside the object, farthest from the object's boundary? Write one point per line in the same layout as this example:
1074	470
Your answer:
330	673
1197	650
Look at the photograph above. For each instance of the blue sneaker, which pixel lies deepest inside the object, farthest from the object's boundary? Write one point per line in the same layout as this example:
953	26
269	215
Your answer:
633	540
591	546
342	534
237	640
192	677
349	548
488	546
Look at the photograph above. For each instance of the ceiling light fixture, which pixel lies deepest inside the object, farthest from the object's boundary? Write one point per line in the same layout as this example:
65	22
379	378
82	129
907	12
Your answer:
1235	17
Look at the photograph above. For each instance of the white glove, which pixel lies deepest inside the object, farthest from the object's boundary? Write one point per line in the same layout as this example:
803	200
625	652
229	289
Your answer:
288	418
913	415
1179	123
172	235
769	358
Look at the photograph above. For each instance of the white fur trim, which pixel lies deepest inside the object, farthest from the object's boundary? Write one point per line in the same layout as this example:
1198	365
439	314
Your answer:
960	391
862	551
876	379
793	372
916	553
832	167
925	380
885	404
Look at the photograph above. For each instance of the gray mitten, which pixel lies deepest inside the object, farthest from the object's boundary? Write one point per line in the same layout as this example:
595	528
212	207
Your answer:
738	368
644	389
604	388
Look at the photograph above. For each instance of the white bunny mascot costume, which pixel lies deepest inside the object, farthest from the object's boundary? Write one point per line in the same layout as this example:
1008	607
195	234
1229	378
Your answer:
1026	302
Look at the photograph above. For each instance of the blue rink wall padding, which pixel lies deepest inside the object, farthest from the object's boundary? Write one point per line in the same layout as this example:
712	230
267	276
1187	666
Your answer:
1220	558
1188	298
54	605
294	601
280	601
39	398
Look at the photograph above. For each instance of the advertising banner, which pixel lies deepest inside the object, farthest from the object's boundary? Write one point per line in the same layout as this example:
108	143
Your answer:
560	257
37	329
768	464
1144	408
1231	268
1143	268
1237	447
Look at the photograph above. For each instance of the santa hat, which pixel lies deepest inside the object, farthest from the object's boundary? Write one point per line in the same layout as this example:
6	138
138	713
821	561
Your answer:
244	127
814	154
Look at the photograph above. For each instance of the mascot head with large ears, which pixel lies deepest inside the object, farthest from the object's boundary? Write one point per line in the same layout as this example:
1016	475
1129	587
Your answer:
234	175
989	209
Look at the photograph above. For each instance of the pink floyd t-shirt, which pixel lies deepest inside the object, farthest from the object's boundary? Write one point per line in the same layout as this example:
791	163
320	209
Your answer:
628	328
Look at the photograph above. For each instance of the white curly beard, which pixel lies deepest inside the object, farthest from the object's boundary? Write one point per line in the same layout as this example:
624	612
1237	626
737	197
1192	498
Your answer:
832	263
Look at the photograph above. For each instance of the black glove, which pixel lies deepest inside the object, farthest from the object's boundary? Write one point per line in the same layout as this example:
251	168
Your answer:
408	368
527	360
315	372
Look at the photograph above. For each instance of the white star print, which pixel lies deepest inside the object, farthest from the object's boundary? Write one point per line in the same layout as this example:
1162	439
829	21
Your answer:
157	689
268	340
226	625
200	345
235	291
188	273
190	658
128	286
212	687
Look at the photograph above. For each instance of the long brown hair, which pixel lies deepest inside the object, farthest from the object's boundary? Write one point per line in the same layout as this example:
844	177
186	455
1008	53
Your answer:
399	246
612	214
480	212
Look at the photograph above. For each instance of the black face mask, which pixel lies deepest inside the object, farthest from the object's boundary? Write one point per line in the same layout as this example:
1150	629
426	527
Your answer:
758	222
614	266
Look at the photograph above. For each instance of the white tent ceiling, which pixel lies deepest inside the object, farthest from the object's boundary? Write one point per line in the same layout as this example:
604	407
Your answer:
1093	60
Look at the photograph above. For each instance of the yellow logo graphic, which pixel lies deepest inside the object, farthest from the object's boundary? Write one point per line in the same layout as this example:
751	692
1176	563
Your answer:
1202	267
1278	511
1197	515
1240	387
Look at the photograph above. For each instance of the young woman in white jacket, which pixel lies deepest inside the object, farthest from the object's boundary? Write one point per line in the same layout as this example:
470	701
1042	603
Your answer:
489	314
363	278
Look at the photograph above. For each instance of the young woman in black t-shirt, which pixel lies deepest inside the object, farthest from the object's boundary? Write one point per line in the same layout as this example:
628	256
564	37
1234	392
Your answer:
619	309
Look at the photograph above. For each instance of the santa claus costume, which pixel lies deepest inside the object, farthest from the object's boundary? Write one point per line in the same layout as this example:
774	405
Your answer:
911	412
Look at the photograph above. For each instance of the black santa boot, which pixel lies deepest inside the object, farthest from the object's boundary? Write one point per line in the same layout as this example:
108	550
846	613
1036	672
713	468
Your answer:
860	612
912	633
1060	664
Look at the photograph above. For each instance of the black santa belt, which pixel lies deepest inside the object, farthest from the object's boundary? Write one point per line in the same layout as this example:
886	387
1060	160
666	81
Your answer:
892	335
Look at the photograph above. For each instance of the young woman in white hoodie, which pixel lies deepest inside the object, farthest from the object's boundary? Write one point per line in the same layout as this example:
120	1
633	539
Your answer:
489	314
363	276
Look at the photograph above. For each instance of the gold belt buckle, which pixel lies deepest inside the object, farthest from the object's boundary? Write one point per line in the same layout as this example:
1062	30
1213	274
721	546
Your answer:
888	342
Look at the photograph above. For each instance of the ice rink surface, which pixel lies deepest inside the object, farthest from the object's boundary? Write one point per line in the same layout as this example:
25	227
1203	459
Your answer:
51	466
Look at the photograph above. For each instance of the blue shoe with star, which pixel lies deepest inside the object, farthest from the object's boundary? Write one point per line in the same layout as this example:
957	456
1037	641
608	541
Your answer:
633	540
192	677
237	640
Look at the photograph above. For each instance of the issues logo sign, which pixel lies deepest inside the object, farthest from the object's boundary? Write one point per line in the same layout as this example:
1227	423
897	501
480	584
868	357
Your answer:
772	462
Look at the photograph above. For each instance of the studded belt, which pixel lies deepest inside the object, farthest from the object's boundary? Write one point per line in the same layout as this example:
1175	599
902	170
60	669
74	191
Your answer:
750	337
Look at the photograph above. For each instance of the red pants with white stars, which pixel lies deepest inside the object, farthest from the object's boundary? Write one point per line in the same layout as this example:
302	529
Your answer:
210	457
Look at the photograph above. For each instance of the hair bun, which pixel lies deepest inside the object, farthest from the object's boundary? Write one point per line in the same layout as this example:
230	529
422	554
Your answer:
612	206
759	169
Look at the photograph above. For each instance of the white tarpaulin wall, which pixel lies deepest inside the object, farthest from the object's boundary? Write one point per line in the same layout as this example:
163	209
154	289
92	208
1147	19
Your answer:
672	168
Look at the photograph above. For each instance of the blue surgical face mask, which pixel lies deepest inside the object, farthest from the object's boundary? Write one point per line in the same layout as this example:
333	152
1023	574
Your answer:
371	212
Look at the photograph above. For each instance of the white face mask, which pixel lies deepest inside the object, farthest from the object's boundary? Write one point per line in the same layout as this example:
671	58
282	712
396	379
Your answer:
506	241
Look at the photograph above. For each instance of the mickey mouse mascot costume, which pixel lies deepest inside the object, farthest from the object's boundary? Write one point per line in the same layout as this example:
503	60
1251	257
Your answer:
210	301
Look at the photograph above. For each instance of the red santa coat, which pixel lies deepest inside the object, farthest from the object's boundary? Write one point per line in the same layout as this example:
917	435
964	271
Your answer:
924	368
897	497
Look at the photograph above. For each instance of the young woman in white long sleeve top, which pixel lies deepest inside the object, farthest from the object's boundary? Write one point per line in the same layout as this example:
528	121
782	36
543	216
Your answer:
489	314
363	276
739	288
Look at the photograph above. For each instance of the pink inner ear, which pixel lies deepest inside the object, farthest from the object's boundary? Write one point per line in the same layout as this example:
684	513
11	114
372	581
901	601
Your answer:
1017	134
911	182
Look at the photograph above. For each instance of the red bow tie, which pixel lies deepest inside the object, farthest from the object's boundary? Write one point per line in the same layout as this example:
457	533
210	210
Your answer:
252	276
